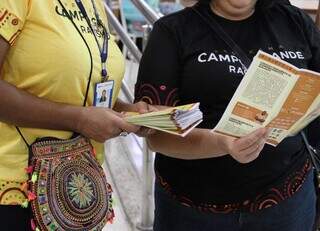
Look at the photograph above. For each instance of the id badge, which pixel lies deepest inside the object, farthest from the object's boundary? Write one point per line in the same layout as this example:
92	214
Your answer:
103	94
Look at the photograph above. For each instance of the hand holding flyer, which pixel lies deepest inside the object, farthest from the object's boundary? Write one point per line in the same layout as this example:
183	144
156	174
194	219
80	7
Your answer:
175	120
273	94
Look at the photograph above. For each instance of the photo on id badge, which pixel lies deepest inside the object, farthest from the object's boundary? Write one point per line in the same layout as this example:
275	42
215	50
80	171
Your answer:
103	94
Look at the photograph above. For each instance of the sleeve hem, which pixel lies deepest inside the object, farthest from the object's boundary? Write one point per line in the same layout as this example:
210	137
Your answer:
10	26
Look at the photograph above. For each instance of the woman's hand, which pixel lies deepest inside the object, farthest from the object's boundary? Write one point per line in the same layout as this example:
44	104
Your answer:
101	124
247	148
142	108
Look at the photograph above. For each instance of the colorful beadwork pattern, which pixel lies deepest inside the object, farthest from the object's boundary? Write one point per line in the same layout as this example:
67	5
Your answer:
68	187
11	193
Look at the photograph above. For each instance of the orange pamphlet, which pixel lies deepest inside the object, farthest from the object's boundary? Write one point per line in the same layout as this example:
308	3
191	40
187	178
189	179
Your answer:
273	94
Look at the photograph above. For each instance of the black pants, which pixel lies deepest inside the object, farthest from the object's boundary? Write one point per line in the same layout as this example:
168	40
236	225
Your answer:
296	213
14	218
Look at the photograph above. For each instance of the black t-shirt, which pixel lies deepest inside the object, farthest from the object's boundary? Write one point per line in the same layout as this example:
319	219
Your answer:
186	62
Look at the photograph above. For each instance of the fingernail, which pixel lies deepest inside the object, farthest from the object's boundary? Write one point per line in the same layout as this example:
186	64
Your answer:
269	131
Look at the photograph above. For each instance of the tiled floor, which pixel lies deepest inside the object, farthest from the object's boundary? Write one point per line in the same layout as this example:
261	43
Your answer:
120	222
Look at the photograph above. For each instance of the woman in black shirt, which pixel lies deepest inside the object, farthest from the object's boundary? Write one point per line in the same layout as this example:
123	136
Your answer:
204	182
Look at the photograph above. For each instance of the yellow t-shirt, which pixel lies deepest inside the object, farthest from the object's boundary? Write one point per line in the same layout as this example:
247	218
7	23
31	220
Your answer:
48	59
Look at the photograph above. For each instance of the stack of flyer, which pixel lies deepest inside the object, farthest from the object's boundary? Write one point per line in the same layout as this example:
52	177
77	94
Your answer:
175	120
273	94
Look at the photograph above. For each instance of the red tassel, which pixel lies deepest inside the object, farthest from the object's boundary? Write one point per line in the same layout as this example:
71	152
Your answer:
109	188
29	169
94	152
111	217
31	196
33	225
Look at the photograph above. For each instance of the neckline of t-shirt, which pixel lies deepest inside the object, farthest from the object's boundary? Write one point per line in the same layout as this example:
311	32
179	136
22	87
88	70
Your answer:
229	21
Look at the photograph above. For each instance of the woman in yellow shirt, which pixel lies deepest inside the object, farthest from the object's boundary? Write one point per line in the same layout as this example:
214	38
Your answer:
45	64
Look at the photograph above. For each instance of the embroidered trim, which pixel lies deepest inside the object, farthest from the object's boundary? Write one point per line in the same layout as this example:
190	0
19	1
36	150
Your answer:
10	25
67	187
11	193
265	200
157	95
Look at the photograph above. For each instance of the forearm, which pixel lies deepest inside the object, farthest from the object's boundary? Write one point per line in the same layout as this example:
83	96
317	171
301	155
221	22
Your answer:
23	109
20	108
121	106
199	144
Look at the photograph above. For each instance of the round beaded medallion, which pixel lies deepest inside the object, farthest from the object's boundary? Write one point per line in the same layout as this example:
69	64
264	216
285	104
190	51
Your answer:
70	187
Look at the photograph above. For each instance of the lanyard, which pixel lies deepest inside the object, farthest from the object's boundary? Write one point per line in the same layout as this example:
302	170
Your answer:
104	48
90	75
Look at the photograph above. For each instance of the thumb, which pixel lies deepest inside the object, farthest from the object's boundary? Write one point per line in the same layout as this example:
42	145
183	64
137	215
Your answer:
142	107
127	127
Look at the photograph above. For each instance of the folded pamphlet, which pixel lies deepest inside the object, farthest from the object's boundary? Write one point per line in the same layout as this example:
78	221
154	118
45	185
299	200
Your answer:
174	120
273	94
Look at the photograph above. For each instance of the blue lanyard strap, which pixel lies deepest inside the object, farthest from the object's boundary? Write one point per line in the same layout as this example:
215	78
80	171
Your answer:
104	49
